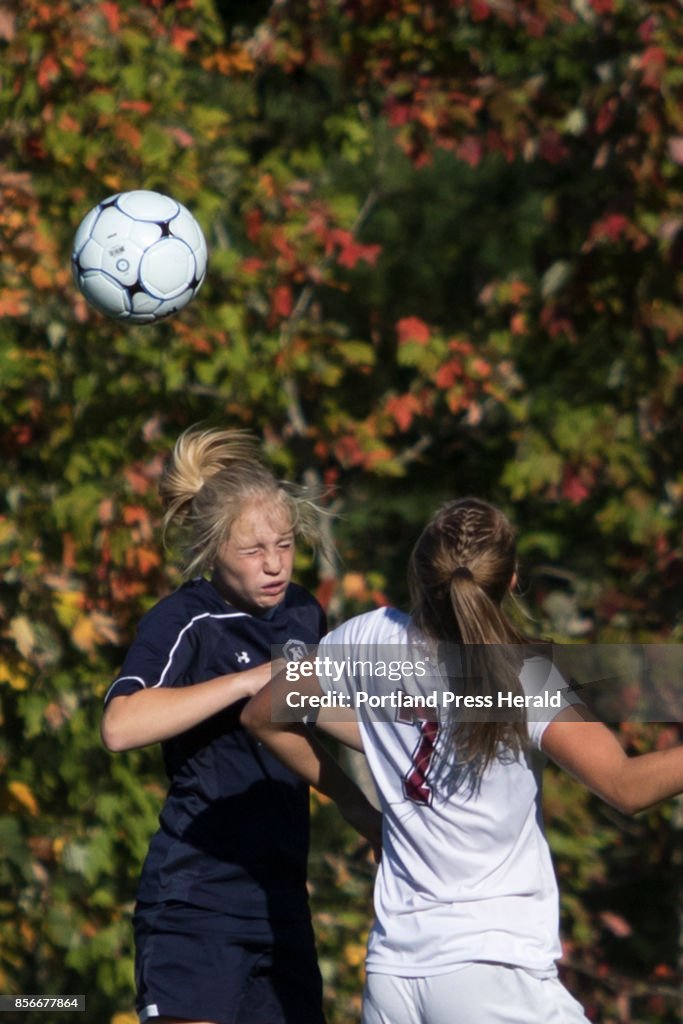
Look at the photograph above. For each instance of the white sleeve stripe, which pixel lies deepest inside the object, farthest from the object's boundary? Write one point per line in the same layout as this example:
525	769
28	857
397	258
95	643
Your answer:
204	615
120	680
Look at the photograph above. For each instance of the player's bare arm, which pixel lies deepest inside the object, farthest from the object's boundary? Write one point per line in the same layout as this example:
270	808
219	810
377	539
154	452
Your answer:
335	723
592	754
297	748
155	714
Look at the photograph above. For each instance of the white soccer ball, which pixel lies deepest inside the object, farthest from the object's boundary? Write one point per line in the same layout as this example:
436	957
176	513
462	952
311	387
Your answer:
139	256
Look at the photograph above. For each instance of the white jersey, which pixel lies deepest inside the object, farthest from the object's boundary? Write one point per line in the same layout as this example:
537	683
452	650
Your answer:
466	873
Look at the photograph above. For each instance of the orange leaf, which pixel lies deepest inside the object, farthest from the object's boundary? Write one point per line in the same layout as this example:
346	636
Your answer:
12	302
40	278
126	132
133	514
354	586
23	796
145	558
181	38
67	123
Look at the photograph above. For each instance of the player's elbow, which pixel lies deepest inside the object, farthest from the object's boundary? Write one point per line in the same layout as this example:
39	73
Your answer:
113	731
252	717
625	803
112	738
624	795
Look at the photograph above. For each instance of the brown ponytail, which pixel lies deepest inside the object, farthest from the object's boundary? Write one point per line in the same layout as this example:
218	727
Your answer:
459	573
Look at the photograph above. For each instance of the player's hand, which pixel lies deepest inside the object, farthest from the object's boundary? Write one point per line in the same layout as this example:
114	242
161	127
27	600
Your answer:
256	678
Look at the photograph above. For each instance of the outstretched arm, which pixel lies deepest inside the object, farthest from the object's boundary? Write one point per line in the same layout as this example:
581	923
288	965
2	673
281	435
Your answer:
294	744
592	754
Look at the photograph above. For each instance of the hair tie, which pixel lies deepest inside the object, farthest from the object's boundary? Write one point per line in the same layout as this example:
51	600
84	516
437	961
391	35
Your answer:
461	572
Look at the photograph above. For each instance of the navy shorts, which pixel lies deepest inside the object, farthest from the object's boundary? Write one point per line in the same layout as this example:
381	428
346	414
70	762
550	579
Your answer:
207	966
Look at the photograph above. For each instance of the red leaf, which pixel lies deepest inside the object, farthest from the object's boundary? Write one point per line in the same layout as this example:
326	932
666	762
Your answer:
447	374
480	10
112	15
398	114
281	303
653	63
551	147
139	106
283	246
348	451
351	251
573	489
403	408
253	220
48	71
411	328
325	591
610	228
647	28
252	265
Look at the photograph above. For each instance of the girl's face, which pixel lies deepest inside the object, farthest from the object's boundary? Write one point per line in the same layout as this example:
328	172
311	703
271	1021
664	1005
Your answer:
254	566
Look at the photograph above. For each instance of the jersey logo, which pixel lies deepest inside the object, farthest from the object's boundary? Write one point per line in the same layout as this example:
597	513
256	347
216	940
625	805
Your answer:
415	785
242	657
294	650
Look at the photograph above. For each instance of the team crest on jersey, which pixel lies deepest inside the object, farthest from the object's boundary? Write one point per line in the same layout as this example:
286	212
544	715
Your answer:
294	650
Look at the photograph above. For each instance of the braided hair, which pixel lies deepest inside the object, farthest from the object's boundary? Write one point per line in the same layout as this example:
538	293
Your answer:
460	571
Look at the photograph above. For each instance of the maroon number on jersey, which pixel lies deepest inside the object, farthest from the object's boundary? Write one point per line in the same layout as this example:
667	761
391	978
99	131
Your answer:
415	785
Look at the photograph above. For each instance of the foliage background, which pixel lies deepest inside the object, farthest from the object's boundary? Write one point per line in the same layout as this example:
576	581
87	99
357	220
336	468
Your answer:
446	249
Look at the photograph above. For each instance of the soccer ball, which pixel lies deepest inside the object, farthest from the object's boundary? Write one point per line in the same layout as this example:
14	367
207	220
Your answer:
139	256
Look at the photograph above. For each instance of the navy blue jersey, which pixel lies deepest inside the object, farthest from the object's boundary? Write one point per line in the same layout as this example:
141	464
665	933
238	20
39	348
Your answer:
234	828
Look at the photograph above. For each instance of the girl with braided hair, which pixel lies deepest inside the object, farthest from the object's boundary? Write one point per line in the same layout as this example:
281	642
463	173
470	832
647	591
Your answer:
222	925
466	902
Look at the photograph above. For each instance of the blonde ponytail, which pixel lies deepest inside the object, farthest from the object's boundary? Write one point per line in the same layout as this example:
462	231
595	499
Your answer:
210	476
